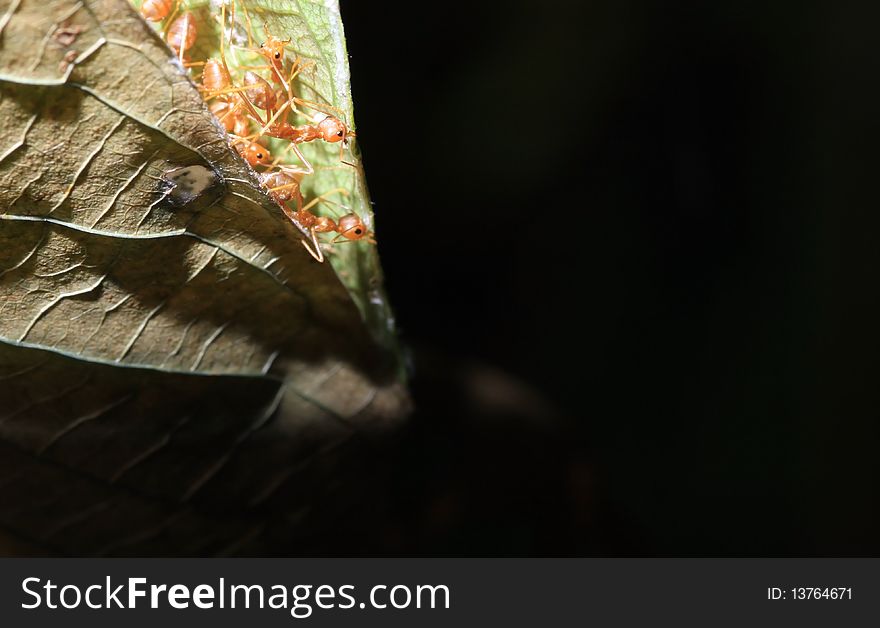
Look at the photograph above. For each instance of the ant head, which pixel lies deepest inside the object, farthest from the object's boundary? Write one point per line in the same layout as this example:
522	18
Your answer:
273	48
254	154
351	227
332	129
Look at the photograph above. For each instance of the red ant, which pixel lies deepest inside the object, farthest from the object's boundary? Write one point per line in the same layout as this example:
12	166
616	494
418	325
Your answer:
284	186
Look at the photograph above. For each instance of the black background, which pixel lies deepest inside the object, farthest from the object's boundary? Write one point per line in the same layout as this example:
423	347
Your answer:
633	247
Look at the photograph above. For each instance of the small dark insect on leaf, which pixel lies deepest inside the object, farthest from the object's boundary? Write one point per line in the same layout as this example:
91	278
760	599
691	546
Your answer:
189	183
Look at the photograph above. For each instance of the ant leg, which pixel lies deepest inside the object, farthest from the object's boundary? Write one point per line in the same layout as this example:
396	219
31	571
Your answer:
322	108
317	253
344	168
249	28
315	242
342	154
287	212
295	69
305	162
344	207
223	36
341	239
170	19
281	80
286	186
232	20
250	107
246	100
276	163
228	113
321	198
237	139
285	167
224	91
299	65
272	120
299	206
280	156
223	33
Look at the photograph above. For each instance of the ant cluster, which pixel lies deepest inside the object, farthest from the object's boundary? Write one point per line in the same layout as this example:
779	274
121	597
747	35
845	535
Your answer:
259	106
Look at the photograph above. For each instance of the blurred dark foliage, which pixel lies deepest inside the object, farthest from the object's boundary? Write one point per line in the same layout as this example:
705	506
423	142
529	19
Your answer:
662	219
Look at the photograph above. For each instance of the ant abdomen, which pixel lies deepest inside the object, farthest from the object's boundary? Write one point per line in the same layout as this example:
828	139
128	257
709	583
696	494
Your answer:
214	76
259	91
182	33
156	10
282	186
